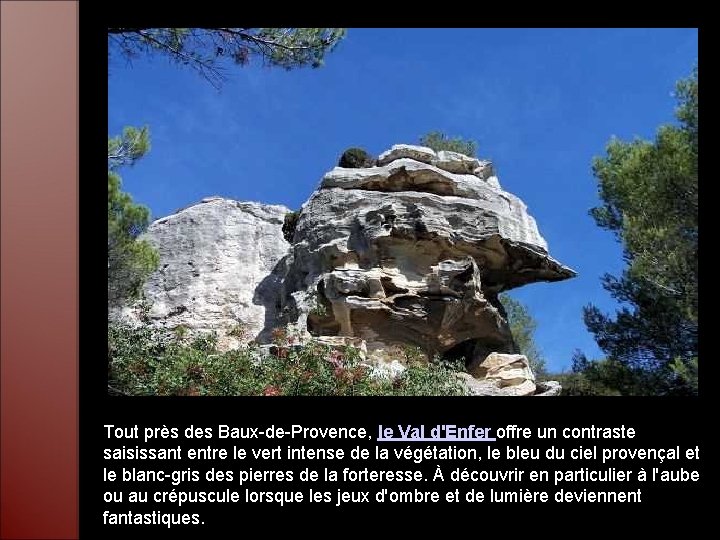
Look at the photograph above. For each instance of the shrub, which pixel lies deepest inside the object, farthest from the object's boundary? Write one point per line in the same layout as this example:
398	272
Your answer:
428	379
439	141
356	158
318	308
181	331
148	361
290	224
239	331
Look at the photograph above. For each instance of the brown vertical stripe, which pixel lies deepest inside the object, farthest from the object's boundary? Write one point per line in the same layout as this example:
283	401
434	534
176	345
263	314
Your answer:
38	223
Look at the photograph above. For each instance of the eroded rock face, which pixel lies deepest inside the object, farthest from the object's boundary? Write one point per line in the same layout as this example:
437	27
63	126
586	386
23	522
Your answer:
548	388
510	373
411	252
414	252
220	269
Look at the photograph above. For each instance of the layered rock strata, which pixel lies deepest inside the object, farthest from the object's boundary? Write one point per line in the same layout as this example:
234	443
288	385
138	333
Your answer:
410	252
414	252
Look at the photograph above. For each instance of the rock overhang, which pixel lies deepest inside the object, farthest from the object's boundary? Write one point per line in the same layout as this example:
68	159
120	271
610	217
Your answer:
473	214
415	249
411	251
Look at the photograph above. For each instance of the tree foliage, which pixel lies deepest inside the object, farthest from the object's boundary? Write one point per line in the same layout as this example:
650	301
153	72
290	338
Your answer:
356	158
125	149
130	260
523	326
649	193
439	141
290	224
204	49
607	377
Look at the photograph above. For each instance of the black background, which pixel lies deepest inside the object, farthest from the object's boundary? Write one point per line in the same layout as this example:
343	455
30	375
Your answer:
659	423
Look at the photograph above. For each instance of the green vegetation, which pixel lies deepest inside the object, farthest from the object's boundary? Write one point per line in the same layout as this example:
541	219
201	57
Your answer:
439	141
356	158
239	331
598	378
127	148
649	193
427	379
147	361
130	261
203	49
523	326
318	308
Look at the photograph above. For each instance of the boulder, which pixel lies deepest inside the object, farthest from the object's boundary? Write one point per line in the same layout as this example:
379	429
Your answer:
455	162
507	371
399	151
548	388
484	170
483	387
218	269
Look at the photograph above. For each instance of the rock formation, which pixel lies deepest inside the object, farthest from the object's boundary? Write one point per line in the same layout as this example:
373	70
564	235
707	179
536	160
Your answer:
411	251
220	269
415	252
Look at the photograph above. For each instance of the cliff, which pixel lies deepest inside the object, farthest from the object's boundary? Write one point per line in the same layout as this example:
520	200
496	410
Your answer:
411	251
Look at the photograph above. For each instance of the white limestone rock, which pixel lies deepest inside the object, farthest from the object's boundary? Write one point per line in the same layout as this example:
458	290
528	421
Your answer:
399	151
455	162
484	170
548	388
485	387
218	268
510	372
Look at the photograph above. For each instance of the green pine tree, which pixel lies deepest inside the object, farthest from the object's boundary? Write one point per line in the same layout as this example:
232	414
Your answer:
439	141
130	260
523	326
649	193
205	49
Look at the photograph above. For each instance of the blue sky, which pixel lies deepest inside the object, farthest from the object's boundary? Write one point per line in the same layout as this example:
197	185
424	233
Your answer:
540	102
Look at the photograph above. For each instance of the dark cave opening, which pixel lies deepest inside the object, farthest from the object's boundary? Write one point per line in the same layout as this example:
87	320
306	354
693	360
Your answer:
462	352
